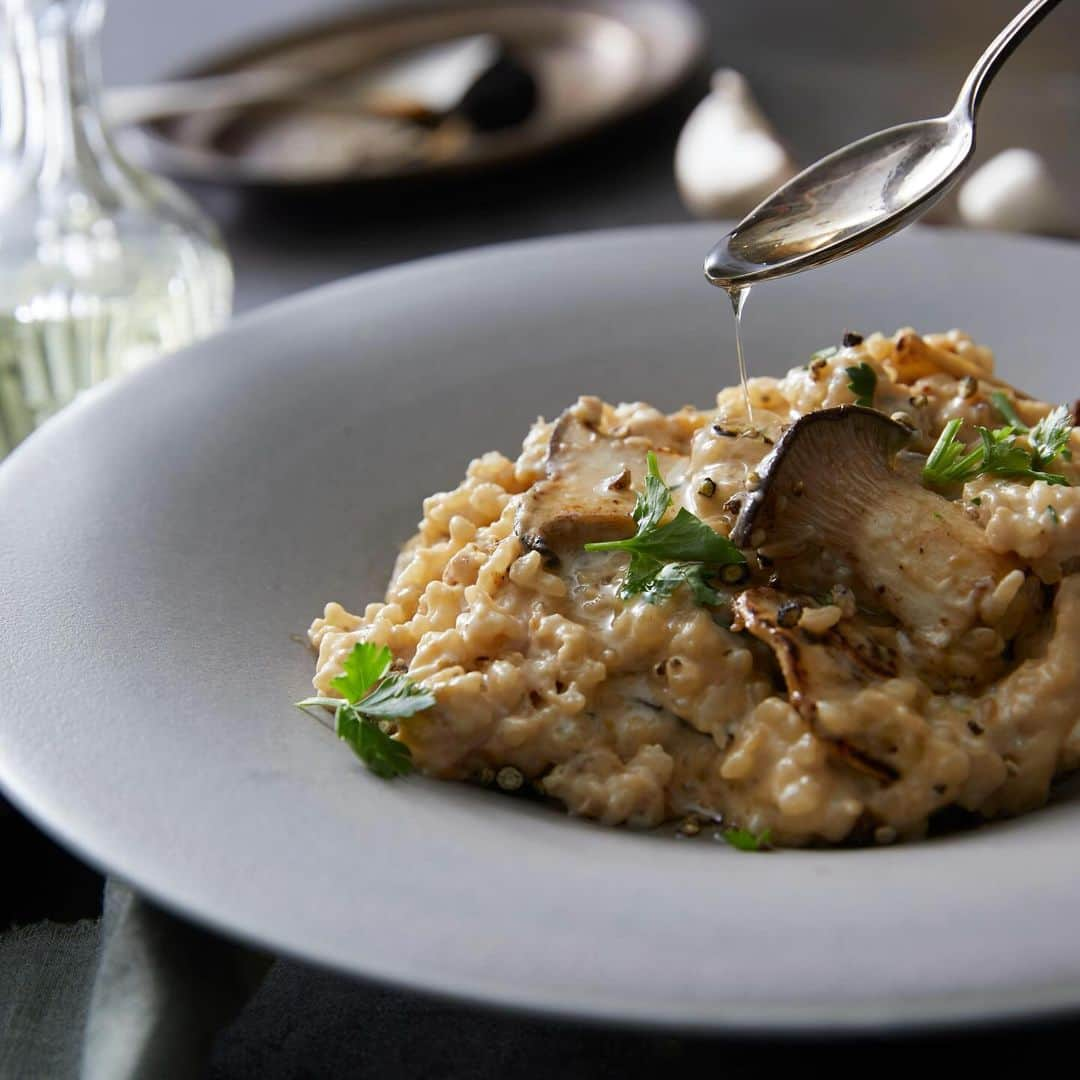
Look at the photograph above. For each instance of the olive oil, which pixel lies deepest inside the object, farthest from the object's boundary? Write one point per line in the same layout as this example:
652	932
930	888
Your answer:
103	267
737	294
62	332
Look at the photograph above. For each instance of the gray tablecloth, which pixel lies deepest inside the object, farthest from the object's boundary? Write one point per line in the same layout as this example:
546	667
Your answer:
146	995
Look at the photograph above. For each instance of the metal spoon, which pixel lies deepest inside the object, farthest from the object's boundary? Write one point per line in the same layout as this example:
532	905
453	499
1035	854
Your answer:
422	86
868	190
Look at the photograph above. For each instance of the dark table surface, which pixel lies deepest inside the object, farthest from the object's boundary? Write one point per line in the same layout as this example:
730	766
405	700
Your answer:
825	72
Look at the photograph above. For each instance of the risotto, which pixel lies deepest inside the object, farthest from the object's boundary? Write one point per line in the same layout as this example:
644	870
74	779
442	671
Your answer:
892	632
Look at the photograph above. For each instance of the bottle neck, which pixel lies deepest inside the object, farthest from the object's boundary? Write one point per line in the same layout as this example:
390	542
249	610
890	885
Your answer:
51	82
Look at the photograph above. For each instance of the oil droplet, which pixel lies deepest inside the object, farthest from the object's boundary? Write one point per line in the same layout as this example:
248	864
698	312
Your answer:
737	294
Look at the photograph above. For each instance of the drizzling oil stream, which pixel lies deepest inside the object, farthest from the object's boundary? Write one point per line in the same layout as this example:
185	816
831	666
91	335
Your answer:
737	294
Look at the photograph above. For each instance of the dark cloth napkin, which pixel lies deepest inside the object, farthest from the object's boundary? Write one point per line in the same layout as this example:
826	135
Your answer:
137	993
134	992
141	995
162	989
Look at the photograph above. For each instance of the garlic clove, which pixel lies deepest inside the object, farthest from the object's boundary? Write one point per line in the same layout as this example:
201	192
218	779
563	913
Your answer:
1015	192
728	157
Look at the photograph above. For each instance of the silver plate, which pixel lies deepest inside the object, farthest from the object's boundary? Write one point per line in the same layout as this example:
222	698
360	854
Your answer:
596	61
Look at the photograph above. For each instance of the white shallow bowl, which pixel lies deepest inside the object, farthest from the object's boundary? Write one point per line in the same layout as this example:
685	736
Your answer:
162	542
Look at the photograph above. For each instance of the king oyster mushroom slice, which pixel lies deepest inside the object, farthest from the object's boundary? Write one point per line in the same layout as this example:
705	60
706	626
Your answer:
823	672
588	493
831	484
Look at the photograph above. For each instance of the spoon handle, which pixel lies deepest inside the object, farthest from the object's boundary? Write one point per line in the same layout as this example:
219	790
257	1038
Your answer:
999	50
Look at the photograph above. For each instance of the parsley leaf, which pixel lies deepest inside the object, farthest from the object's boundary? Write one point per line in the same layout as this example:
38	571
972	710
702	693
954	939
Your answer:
1005	407
640	578
652	504
663	557
745	840
863	383
384	755
370	694
1001	456
362	669
685	538
663	581
950	462
1050	436
996	454
396	696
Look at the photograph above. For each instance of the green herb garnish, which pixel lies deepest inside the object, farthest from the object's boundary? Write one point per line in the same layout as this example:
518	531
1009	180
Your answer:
745	840
1005	407
663	557
825	354
658	586
1050	436
996	453
863	383
371	699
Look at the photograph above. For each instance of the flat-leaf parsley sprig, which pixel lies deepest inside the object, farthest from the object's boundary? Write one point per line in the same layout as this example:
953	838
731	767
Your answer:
371	699
997	453
862	383
1006	408
685	551
745	840
1048	438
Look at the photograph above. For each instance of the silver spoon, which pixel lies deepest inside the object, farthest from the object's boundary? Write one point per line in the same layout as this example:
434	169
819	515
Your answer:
868	190
426	83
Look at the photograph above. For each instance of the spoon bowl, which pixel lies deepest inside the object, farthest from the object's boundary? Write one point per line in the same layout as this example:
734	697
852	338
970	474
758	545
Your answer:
847	200
865	191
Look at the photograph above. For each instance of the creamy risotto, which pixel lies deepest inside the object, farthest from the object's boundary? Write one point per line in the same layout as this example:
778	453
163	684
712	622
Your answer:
898	635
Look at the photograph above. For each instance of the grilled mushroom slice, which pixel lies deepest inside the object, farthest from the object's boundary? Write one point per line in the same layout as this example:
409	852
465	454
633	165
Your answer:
917	764
588	492
826	670
831	484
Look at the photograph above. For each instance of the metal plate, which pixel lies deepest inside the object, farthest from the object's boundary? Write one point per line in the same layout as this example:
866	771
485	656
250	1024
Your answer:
596	61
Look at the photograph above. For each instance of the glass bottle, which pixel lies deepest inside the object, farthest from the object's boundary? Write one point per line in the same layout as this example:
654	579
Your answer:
102	266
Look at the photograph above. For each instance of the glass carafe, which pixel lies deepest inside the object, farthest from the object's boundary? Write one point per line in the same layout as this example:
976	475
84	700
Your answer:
102	266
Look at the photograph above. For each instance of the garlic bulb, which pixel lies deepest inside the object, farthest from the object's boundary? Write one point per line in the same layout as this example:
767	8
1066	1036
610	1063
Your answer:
1014	191
728	157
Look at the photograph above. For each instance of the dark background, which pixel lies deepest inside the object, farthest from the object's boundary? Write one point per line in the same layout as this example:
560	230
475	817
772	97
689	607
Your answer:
825	73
